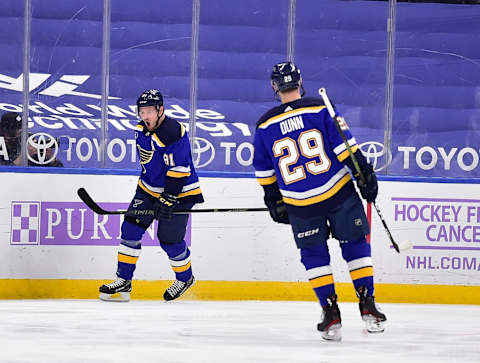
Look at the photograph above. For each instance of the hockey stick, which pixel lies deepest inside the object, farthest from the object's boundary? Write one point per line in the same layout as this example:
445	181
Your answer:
323	93
87	199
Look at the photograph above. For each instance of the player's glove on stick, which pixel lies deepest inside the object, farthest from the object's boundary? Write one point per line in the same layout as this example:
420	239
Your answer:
278	210
165	204
369	187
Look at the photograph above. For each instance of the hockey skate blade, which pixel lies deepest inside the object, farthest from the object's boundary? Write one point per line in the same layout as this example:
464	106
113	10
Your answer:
333	333
372	325
118	297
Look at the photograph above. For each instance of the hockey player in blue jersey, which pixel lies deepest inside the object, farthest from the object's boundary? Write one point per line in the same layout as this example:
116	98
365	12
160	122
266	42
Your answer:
304	168
167	182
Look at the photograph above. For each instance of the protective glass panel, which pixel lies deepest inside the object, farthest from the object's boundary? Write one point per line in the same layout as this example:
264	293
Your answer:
436	122
65	82
150	49
341	46
11	80
239	42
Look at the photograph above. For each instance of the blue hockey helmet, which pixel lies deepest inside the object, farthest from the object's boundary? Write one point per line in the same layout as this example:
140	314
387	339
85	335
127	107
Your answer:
285	76
151	97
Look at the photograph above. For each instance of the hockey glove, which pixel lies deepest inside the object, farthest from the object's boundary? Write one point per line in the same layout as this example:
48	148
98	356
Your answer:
278	210
164	205
369	188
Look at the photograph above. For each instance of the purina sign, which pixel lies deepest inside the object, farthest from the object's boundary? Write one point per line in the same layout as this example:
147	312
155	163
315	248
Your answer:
70	223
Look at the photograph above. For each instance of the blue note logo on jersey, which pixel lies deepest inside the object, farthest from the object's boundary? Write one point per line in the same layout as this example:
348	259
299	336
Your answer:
145	157
137	202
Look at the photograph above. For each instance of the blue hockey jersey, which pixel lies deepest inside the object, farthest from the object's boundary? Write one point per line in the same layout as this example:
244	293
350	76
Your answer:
166	161
298	148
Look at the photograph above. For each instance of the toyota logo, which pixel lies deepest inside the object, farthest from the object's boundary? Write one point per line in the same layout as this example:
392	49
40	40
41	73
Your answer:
203	152
46	148
373	151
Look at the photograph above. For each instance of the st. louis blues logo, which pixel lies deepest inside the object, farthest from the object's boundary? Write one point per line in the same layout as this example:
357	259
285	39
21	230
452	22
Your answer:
137	202
145	157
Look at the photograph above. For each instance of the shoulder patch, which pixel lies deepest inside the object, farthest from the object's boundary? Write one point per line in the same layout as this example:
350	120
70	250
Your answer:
170	131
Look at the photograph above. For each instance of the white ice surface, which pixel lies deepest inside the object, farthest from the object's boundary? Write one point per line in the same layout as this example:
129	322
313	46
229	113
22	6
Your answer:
238	331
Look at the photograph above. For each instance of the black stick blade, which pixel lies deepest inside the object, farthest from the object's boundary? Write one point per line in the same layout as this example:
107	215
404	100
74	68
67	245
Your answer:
82	193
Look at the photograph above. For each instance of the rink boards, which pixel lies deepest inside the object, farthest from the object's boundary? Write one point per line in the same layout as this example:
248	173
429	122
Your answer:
52	246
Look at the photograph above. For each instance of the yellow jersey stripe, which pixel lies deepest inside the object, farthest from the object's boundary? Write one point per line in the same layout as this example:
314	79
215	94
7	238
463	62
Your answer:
267	181
346	154
321	197
361	272
127	259
181	195
177	174
322	281
181	268
157	140
140	184
291	113
190	192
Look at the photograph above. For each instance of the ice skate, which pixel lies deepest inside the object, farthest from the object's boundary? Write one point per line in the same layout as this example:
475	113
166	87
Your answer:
372	316
331	323
118	290
177	289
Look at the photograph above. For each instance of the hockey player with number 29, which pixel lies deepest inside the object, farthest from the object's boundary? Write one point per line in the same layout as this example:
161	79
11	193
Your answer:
304	168
167	182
